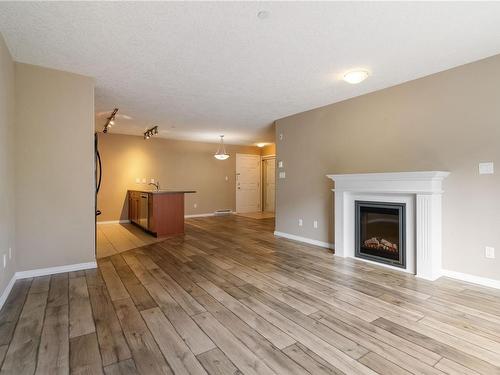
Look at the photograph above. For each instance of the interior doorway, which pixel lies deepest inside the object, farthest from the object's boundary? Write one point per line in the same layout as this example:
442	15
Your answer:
268	184
248	179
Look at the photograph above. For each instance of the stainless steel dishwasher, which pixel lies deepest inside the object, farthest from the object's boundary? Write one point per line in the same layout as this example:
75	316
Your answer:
144	211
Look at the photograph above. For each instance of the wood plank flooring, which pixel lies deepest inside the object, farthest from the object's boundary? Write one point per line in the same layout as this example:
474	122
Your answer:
116	238
230	298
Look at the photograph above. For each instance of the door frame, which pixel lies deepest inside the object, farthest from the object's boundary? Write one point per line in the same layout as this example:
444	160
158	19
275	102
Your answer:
262	158
236	181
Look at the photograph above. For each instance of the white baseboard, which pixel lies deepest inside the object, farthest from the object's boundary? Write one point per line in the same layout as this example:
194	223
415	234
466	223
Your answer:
54	270
113	222
484	281
198	215
304	239
7	290
43	272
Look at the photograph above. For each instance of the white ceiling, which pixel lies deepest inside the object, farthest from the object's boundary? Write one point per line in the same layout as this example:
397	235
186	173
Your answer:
202	69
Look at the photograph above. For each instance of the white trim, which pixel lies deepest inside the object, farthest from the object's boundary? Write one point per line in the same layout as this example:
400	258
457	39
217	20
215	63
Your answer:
199	215
304	239
54	270
392	176
378	264
114	222
266	157
7	291
492	283
43	272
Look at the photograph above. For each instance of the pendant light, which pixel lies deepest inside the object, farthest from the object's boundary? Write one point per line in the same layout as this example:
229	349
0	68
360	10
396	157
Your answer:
221	153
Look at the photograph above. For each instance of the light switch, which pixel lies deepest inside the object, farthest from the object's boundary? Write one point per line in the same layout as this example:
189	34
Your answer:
227	178
490	252
280	164
486	168
282	174
281	136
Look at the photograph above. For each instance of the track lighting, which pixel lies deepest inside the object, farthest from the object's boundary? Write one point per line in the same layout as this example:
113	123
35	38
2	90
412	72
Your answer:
110	120
150	132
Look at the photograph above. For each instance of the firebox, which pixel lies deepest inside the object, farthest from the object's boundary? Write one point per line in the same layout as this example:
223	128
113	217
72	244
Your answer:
380	232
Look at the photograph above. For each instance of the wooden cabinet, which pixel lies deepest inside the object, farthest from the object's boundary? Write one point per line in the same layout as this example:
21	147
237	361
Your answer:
134	206
159	213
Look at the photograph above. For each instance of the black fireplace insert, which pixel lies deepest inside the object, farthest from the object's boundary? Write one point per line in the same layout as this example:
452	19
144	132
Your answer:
380	232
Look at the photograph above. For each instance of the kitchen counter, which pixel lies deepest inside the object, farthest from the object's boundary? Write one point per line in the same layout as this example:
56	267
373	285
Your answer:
165	191
159	212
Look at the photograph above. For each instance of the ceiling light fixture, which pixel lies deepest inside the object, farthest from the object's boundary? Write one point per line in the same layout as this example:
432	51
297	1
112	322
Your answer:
221	153
150	132
263	14
356	76
110	121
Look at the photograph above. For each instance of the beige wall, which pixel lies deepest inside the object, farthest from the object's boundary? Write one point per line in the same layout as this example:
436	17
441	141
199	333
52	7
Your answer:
269	150
176	164
448	121
54	168
7	209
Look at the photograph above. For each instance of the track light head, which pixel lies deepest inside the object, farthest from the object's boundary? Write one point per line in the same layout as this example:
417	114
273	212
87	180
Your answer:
110	121
150	132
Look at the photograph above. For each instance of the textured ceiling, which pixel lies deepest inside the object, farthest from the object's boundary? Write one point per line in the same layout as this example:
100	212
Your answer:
201	69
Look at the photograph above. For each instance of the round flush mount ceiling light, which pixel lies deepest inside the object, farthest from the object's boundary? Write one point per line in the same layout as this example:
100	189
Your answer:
263	14
356	76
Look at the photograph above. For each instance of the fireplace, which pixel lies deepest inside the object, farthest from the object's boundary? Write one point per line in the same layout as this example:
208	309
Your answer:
380	232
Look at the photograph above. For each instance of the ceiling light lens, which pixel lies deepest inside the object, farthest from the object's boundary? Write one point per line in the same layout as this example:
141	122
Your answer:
263	14
355	76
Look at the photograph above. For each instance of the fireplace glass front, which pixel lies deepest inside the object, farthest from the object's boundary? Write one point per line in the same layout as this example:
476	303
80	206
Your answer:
380	232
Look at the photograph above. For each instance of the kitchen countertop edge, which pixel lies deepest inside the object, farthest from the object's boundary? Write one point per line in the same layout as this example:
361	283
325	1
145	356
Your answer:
163	191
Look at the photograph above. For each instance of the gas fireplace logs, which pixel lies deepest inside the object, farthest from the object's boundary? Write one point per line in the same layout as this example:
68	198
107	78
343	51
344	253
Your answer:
380	244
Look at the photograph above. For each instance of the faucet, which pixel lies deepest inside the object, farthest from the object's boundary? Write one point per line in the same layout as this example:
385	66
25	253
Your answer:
156	185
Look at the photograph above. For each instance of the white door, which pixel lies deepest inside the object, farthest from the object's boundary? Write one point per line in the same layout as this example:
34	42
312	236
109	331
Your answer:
269	184
248	191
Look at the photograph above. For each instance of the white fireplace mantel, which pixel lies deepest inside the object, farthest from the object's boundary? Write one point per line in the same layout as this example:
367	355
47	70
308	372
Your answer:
422	190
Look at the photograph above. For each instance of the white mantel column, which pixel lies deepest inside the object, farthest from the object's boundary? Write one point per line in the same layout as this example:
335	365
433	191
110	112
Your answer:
428	236
339	220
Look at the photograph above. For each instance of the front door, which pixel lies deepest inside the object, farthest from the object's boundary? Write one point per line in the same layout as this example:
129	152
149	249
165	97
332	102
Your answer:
248	190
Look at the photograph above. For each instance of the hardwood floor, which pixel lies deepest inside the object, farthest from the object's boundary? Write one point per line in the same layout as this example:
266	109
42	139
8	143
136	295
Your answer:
116	238
230	298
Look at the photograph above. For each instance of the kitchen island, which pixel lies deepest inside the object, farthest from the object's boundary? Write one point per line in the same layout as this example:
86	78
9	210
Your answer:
159	212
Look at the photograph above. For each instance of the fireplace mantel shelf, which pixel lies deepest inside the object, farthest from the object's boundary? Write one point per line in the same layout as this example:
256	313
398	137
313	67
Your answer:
422	182
392	176
421	190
